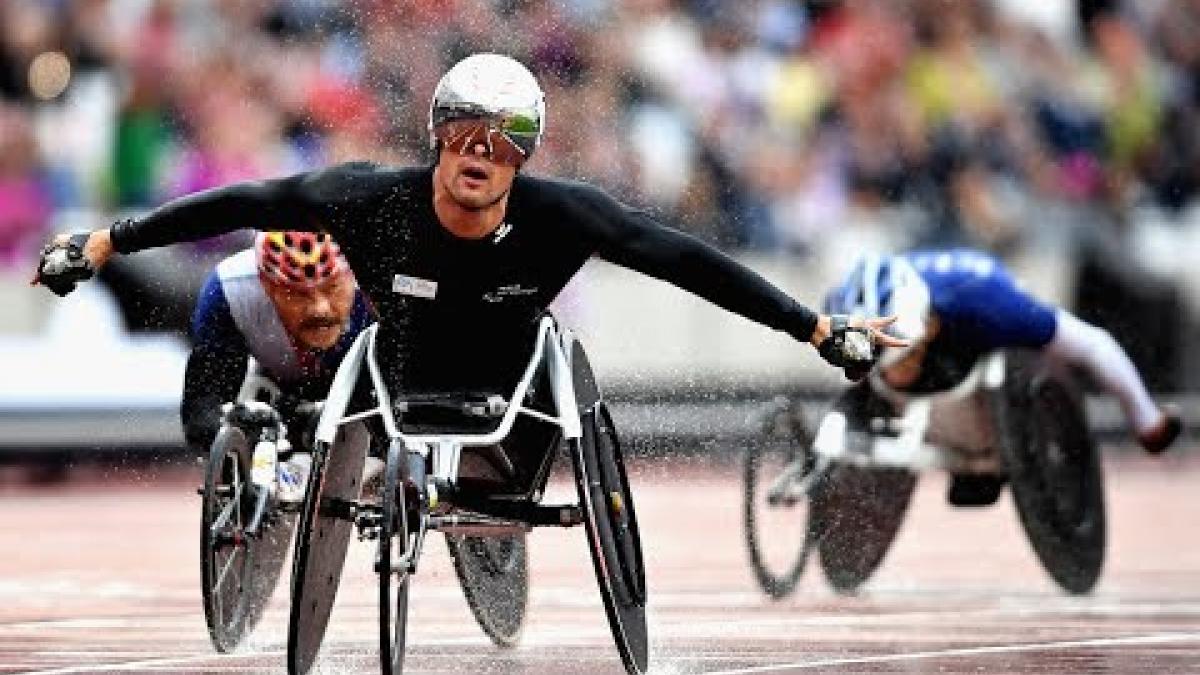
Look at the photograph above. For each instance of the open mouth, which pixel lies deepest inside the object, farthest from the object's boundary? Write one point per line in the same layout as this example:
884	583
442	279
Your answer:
475	172
320	325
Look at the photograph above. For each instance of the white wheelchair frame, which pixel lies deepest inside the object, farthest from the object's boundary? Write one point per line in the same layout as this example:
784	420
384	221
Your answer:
441	454
551	346
550	342
952	430
976	432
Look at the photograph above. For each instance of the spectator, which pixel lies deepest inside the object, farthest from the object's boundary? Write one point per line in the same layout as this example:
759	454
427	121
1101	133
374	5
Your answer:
25	204
758	124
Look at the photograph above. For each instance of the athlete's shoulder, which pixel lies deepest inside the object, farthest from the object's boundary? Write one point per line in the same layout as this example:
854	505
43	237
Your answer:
353	181
240	284
212	320
561	190
362	170
240	265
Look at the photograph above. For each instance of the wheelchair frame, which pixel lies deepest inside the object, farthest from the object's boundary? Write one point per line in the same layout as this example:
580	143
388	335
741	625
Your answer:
442	453
966	443
974	432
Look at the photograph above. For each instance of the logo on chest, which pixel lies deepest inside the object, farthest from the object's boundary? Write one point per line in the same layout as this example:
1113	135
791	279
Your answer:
414	286
508	292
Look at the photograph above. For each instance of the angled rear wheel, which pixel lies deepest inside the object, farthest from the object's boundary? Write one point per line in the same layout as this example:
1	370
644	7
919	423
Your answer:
856	516
494	575
322	539
1056	475
610	520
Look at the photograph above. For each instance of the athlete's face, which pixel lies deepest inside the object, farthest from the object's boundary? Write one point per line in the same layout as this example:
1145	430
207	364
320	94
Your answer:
315	317
476	165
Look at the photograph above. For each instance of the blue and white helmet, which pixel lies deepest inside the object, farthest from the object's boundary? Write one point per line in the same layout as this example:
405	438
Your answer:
884	286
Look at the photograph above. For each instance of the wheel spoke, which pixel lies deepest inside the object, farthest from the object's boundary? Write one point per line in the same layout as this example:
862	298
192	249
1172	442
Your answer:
228	566
227	512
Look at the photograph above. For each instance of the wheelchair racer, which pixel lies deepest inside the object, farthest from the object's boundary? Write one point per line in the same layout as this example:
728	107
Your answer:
292	304
461	257
956	305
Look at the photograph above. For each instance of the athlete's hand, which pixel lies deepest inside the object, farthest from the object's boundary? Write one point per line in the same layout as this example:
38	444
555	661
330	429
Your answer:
71	258
251	415
853	344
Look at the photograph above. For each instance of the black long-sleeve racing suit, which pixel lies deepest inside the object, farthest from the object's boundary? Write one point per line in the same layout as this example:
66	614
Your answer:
457	314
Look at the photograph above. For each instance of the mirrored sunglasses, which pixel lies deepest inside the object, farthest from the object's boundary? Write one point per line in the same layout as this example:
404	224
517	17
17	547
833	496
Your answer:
464	135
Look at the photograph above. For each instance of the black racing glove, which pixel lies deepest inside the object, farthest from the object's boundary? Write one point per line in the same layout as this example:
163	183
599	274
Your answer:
252	416
301	418
63	265
849	348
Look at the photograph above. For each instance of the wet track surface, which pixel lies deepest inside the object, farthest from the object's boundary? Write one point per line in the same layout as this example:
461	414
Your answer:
100	575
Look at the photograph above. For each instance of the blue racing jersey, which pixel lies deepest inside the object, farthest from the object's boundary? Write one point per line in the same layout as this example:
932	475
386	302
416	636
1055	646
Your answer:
979	306
977	300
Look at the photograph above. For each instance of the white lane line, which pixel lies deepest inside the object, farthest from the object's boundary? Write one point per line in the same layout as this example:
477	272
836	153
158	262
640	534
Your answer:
333	653
1162	638
17	590
99	654
151	663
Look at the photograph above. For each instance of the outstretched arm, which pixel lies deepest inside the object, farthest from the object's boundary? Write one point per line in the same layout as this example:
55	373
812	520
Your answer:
300	202
633	239
264	205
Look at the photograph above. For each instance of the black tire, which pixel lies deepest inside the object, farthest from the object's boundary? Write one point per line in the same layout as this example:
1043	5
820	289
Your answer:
610	519
1055	471
494	575
322	539
778	536
234	604
393	584
856	514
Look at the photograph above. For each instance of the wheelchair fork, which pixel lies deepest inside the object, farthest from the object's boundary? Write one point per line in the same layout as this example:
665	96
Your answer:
414	539
796	482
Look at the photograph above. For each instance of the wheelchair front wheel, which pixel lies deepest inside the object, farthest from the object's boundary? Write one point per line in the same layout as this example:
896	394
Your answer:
238	573
393	569
778	477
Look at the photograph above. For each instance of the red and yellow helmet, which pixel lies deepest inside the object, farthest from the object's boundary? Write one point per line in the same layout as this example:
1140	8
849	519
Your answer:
298	259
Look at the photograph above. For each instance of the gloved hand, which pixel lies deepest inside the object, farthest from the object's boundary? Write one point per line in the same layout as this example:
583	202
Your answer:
302	425
62	264
850	348
251	415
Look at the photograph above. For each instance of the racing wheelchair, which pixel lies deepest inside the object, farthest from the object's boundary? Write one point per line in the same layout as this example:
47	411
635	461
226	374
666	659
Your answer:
1011	419
244	530
431	480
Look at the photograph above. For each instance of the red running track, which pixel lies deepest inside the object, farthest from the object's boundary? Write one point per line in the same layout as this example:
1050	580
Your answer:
100	575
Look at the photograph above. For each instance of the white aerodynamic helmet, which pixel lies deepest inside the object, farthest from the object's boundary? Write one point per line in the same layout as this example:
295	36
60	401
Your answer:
885	286
495	89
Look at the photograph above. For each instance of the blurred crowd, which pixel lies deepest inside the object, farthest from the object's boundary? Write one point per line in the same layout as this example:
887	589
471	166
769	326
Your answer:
756	124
